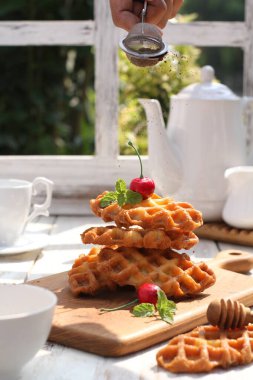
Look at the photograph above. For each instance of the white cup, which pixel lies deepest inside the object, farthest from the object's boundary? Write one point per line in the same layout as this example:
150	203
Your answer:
26	313
16	208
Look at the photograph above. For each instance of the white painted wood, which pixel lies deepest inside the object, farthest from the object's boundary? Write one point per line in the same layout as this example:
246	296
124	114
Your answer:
15	269
106	84
50	33
12	272
205	249
205	33
56	362
81	33
73	176
64	247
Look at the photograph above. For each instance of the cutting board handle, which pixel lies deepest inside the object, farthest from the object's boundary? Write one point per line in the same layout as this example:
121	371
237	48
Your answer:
234	260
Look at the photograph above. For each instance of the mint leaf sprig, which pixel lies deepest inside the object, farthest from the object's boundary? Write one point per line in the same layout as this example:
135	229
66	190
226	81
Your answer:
106	310
166	308
121	195
144	310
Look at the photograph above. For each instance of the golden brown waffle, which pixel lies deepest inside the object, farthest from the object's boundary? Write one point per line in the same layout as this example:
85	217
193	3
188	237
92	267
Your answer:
84	277
139	238
105	267
207	347
151	213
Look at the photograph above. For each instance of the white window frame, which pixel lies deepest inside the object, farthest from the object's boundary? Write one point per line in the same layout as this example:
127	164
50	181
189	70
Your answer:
76	177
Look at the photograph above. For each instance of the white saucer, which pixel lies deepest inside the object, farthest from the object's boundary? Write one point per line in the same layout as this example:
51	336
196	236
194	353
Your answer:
26	243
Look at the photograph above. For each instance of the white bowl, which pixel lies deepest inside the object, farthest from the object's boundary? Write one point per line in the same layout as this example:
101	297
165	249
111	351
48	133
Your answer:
26	313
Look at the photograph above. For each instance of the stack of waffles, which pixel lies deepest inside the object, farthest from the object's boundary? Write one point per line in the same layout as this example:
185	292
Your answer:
141	248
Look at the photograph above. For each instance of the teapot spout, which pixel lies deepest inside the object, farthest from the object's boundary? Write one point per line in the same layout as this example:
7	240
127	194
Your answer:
164	164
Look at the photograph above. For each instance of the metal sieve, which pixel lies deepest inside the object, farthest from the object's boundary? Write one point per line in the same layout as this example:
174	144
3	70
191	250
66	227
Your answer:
144	45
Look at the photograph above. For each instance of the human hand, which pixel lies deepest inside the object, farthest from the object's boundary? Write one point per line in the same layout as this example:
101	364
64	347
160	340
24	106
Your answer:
127	13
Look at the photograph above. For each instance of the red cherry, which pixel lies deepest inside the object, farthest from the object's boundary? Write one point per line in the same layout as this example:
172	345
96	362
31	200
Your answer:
145	186
148	293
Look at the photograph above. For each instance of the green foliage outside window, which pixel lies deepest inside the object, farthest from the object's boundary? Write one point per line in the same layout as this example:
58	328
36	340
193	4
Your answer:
47	93
167	78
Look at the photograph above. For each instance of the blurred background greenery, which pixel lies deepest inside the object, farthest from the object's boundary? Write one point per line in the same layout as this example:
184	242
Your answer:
47	98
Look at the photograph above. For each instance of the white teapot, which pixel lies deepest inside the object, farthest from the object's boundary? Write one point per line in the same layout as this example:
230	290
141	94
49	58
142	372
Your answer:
205	136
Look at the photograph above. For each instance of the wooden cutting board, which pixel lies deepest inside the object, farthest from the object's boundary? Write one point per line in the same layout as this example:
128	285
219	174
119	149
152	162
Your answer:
78	322
222	232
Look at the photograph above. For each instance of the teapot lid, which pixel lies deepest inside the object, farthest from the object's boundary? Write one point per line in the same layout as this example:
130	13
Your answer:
207	89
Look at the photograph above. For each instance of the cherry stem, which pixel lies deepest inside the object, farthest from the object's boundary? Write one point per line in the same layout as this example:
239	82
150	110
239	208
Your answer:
132	146
105	310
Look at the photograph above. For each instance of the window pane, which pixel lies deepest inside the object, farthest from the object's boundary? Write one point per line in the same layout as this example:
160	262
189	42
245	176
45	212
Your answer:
47	100
215	10
17	10
228	65
166	79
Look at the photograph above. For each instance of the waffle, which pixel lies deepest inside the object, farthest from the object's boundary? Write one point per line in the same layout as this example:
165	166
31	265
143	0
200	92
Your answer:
139	238
108	267
84	277
207	347
152	213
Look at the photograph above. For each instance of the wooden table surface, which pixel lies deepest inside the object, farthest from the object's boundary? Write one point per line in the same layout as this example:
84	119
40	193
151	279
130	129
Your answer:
55	362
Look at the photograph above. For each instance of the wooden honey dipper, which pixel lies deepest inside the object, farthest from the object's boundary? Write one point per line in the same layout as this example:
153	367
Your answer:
228	314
